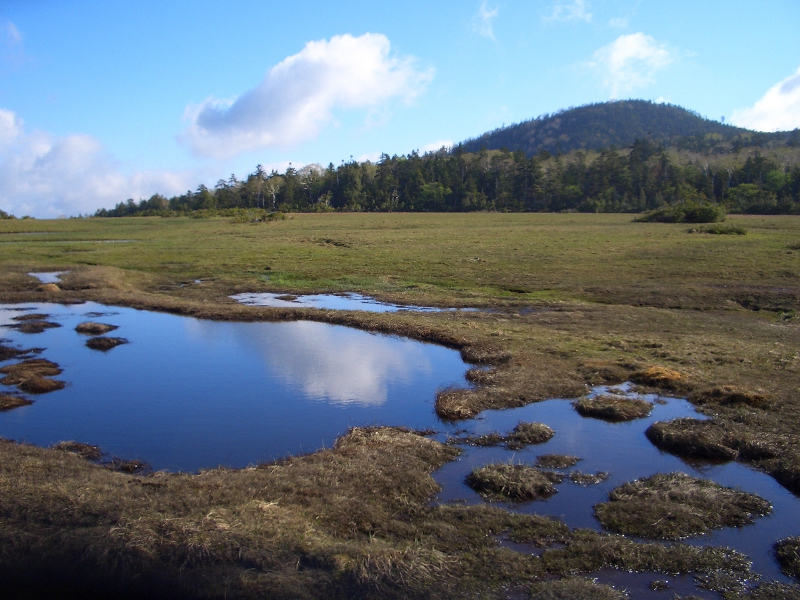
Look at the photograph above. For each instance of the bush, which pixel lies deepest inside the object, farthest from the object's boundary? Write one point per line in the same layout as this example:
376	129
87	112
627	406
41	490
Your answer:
684	212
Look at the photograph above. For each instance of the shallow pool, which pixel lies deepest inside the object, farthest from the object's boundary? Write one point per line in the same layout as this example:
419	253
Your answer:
187	394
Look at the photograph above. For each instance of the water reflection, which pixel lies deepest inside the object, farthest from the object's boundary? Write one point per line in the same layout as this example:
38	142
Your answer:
329	363
49	277
332	302
186	394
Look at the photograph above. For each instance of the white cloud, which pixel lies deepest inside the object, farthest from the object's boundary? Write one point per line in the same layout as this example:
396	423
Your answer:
11	51
777	110
372	157
618	23
436	146
578	10
297	96
630	62
11	35
482	21
46	176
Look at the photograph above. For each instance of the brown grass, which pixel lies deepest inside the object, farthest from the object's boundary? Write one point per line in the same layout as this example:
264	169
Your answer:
48	287
787	551
513	482
523	434
91	328
85	451
588	478
7	402
31	317
34	326
556	461
613	408
32	376
675	505
104	343
730	395
575	588
662	377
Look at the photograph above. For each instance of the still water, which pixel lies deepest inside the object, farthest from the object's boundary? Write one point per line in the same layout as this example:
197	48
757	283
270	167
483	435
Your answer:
331	302
623	451
187	394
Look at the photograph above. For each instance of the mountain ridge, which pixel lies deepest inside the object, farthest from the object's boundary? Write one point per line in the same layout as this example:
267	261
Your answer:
615	123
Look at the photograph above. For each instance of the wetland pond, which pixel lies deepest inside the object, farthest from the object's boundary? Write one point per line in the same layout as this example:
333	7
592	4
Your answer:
186	394
347	301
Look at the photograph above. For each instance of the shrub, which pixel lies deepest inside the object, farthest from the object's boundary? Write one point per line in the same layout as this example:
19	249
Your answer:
684	212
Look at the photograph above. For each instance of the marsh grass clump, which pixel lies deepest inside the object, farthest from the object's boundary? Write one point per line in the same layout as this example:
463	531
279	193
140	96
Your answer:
661	377
574	588
613	408
513	482
787	551
32	376
31	317
35	326
128	466
675	505
287	297
588	478
92	328
8	401
710	440
453	404
556	461
729	395
105	343
86	451
524	434
48	287
7	353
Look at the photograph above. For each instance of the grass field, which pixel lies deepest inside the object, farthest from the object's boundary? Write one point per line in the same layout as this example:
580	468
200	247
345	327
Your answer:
613	299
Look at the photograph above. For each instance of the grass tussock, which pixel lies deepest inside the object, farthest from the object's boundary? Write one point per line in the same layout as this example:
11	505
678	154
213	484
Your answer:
32	376
574	588
613	408
48	287
105	343
8	401
556	461
711	440
92	328
519	483
7	353
729	395
675	505
85	451
661	377
31	317
582	478
523	434
35	326
787	551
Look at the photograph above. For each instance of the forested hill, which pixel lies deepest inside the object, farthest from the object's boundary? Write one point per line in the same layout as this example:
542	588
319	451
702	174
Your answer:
617	123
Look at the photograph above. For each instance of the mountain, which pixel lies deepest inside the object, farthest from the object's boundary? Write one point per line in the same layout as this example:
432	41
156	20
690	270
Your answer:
616	123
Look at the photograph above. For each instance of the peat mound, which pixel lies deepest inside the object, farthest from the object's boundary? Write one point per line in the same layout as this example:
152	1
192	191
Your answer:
613	408
92	328
513	482
524	434
105	344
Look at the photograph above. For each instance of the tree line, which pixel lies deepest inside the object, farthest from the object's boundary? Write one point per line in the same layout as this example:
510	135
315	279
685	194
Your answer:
644	177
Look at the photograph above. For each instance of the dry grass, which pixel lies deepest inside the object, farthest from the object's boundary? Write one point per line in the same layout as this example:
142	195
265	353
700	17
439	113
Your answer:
787	551
613	408
513	482
31	317
85	451
556	461
588	478
711	440
104	343
523	434
34	326
575	588
730	395
7	402
91	328
32	376
675	505
662	377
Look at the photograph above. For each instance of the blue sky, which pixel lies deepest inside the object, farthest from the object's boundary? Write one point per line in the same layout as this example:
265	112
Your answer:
101	101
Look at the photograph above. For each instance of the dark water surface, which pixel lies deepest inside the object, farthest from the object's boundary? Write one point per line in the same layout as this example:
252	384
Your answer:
622	450
187	394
